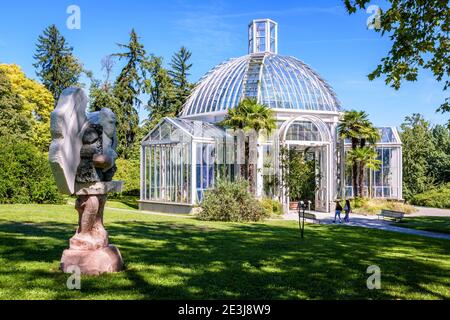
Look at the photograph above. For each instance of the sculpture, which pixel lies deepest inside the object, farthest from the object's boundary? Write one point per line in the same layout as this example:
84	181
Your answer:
82	157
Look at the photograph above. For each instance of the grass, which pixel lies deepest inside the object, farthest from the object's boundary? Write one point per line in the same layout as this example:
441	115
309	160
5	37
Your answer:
173	258
118	201
374	206
434	224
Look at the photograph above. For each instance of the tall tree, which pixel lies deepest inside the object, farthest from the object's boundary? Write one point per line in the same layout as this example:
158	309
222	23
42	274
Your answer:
180	66
254	118
161	90
102	96
419	31
439	160
417	148
13	121
102	92
127	90
36	103
356	127
107	66
56	66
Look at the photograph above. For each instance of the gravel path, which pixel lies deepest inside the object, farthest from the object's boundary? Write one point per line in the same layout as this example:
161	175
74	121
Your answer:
372	222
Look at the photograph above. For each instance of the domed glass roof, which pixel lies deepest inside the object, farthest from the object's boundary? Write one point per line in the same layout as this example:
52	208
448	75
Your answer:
279	82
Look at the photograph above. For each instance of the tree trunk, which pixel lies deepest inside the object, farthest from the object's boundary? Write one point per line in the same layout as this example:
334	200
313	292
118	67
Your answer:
355	171
252	160
361	179
363	143
240	146
247	158
355	179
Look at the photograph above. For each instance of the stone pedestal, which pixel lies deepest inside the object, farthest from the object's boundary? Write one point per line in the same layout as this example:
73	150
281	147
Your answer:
90	250
93	262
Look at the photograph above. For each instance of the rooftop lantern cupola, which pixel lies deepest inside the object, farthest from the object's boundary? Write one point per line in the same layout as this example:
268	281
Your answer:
263	36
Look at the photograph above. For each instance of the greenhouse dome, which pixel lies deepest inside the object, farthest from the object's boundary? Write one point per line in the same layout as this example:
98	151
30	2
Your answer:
279	82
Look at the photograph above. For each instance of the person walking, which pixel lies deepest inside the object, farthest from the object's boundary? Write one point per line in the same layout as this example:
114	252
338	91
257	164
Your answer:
338	211
347	209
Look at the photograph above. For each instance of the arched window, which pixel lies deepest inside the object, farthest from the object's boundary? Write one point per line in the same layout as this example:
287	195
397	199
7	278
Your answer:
303	131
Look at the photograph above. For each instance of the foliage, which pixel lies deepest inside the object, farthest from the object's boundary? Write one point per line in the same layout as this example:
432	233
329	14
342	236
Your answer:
374	206
56	66
272	207
127	89
101	92
250	115
13	119
356	126
438	197
170	257
364	158
161	91
36	104
179	73
253	118
299	175
25	175
102	96
439	159
419	31
417	148
129	172
231	201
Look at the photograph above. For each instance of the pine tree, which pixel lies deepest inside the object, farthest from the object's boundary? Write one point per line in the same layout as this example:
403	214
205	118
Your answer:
179	72
162	92
127	89
56	66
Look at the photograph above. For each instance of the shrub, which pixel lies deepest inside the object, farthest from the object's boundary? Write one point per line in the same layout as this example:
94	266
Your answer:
374	206
272	207
129	172
436	198
231	201
25	174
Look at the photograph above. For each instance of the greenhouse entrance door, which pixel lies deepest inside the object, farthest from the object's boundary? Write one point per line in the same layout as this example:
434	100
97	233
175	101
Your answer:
310	180
311	136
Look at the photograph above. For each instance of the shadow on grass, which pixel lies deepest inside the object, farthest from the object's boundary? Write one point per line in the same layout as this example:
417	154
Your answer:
433	224
171	260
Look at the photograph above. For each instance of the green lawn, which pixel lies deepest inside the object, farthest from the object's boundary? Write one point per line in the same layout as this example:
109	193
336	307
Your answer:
435	224
175	258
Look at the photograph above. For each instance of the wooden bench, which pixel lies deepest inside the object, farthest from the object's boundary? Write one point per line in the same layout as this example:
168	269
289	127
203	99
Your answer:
309	216
395	215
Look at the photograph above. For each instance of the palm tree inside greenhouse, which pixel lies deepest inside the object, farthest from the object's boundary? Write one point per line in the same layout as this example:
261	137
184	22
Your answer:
356	127
251	118
363	158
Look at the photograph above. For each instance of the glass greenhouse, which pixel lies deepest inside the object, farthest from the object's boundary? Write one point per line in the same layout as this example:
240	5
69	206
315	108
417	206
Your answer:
182	157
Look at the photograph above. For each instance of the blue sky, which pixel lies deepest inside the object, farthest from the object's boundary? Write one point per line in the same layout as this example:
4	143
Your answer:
321	33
